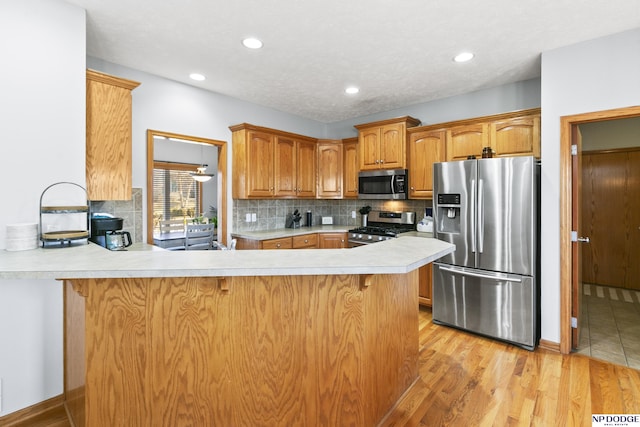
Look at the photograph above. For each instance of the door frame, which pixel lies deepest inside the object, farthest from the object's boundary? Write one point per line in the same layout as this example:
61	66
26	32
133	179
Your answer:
222	176
567	124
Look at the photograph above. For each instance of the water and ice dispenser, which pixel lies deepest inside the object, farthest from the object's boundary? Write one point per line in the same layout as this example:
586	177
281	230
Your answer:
448	213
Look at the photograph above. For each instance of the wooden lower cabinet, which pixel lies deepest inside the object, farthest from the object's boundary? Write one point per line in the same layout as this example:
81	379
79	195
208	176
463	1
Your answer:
303	241
332	240
306	241
425	286
230	351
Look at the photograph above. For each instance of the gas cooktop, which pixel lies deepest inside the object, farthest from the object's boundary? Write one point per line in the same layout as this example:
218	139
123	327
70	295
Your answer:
382	225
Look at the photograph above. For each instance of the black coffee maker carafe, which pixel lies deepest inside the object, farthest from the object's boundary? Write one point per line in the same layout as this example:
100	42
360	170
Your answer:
105	231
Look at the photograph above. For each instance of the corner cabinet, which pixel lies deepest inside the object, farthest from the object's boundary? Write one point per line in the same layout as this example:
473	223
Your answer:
108	131
383	145
425	149
268	163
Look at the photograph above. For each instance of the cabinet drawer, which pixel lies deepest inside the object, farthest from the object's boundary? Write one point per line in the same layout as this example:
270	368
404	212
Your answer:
305	241
283	243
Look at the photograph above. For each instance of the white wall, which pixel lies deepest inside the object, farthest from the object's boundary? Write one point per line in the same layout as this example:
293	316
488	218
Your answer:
597	75
42	105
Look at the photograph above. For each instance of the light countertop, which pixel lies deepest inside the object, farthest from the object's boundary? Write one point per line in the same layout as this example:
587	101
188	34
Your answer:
395	256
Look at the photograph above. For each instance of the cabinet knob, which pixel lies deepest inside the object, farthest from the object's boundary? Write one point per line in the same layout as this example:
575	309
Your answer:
306	240
382	161
277	245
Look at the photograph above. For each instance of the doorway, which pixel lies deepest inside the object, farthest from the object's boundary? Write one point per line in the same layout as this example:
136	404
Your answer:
570	271
221	166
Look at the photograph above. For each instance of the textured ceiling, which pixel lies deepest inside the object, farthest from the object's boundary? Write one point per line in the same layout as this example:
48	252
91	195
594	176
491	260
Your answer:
398	52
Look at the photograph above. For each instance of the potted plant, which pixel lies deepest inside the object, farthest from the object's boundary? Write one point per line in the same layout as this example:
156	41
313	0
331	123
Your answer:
364	211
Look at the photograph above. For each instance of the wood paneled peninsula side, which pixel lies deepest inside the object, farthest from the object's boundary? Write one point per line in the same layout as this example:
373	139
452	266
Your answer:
260	338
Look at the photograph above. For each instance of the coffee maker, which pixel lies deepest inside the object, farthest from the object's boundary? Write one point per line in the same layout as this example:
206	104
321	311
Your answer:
105	231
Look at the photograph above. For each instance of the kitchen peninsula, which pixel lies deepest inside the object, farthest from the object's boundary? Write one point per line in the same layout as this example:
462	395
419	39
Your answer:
313	337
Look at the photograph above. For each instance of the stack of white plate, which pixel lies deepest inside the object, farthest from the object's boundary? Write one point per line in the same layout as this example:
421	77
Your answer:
22	237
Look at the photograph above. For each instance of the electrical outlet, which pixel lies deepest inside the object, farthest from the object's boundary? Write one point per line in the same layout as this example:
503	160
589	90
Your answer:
248	219
353	214
254	217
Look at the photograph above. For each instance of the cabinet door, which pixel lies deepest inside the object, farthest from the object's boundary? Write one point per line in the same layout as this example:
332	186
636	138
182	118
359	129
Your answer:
285	167
332	240
369	142
519	136
306	160
392	146
425	285
306	241
467	140
350	170
329	171
260	147
108	137
425	149
282	243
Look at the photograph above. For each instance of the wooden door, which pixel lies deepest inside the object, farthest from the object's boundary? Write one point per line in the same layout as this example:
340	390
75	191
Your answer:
306	169
611	201
576	246
369	142
467	140
285	167
260	150
425	149
519	136
393	154
330	170
350	169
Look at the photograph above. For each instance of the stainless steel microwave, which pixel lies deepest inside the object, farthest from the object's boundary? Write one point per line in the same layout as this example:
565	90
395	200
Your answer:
387	184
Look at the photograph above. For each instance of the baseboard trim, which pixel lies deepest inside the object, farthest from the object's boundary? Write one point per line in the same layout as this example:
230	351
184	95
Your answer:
549	345
32	414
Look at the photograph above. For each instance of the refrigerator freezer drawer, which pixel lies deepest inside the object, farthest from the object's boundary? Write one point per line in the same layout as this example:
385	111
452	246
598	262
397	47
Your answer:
498	305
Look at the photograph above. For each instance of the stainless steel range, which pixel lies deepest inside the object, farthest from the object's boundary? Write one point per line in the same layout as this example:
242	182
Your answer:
382	225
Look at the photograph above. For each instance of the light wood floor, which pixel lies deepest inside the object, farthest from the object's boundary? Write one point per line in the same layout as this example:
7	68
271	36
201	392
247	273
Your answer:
466	380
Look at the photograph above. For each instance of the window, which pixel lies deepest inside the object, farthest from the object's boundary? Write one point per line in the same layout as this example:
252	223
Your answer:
175	194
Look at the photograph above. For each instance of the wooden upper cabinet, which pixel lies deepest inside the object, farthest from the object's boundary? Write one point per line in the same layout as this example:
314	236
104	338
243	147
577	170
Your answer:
306	169
268	163
329	169
285	168
517	136
467	140
383	145
510	134
108	133
425	149
350	167
260	145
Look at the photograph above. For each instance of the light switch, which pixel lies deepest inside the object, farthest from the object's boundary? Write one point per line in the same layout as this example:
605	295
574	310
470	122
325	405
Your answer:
248	218
254	217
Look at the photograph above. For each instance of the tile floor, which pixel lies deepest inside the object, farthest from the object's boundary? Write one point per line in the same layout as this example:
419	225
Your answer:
610	325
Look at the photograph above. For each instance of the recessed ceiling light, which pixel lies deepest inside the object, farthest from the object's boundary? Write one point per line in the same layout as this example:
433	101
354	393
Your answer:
463	57
252	43
351	90
197	76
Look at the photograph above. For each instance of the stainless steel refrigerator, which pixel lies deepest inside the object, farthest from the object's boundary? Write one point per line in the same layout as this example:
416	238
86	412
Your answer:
488	208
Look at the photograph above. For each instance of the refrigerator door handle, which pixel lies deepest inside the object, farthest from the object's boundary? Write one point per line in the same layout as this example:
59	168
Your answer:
480	224
473	215
480	275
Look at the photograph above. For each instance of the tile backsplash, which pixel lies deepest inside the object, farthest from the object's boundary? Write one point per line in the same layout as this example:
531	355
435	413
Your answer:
129	210
272	214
